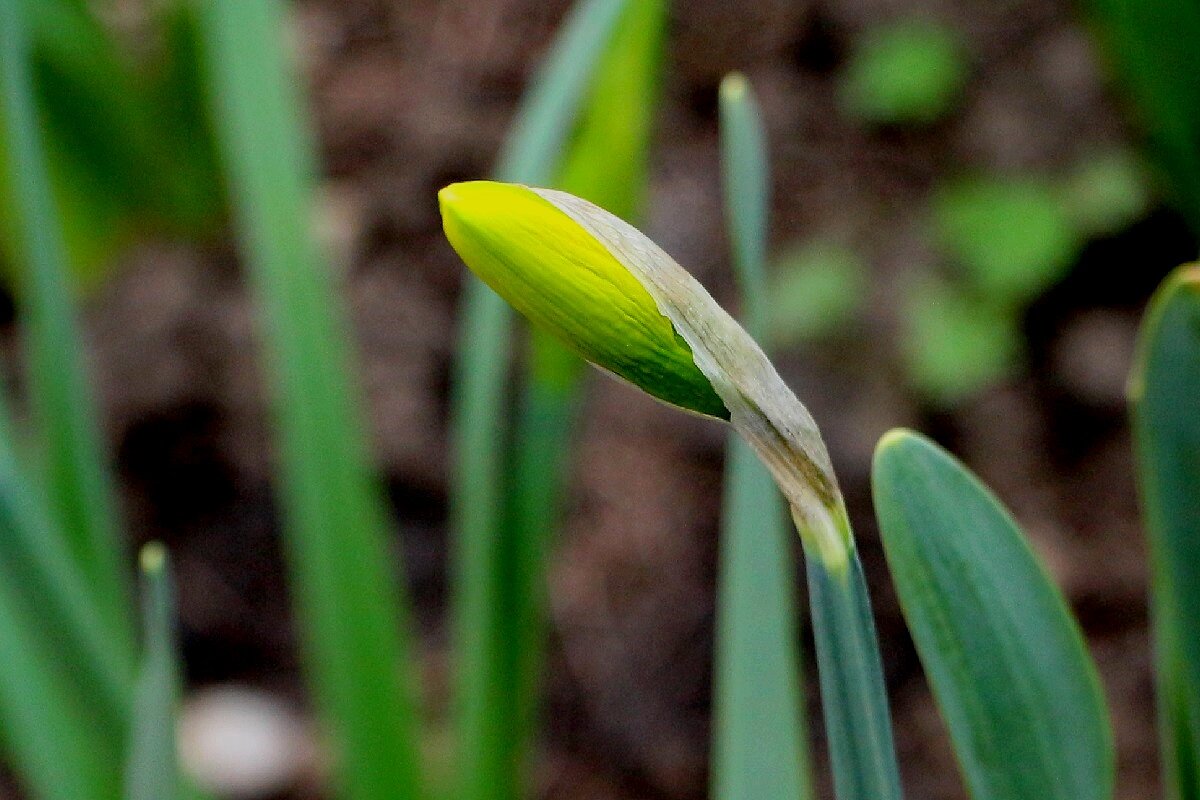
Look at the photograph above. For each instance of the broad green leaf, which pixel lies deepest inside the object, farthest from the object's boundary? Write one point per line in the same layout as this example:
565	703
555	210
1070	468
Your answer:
350	605
1164	394
760	746
1003	655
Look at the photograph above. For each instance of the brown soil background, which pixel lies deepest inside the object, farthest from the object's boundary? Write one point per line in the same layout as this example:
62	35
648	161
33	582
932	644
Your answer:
411	95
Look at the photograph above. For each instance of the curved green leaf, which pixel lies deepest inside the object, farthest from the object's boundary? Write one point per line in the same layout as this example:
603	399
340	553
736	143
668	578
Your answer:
1166	426
1003	654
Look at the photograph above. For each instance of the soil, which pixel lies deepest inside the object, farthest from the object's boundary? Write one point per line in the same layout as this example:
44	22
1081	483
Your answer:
410	96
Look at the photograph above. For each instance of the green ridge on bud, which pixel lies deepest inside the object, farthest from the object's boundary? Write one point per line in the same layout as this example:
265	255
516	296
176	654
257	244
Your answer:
563	280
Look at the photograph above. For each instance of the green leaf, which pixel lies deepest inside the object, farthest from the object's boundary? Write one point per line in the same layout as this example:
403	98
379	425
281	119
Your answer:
64	678
152	764
911	71
350	606
49	730
1166	426
45	575
760	746
1011	237
77	480
500	539
1151	45
1005	659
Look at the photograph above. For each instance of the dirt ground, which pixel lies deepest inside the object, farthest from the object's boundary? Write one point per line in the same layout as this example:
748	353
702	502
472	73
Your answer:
412	95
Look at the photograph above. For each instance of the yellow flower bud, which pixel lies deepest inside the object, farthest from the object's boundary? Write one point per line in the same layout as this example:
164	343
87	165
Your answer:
567	282
622	303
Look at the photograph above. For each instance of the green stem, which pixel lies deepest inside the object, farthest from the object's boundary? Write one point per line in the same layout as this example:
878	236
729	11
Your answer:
858	724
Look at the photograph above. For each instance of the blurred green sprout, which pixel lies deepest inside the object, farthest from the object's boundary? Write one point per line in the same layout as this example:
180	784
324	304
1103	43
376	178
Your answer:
909	72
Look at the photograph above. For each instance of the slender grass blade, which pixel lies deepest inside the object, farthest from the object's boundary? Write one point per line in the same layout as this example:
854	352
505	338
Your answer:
606	161
858	725
349	602
77	481
152	764
760	734
497	578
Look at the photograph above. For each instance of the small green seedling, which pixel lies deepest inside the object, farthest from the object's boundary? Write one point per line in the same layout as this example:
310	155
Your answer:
909	72
1106	192
819	287
1011	238
954	343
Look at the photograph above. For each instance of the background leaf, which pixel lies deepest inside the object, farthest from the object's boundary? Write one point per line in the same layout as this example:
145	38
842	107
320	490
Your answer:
498	573
1151	45
76	479
760	746
348	600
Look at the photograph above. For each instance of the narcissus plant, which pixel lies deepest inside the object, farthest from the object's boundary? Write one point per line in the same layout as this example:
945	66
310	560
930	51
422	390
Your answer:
612	295
616	298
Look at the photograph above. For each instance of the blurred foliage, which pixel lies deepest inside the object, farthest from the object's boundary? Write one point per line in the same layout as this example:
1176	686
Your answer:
954	344
818	286
129	148
1010	236
906	72
1106	192
1007	240
1152	46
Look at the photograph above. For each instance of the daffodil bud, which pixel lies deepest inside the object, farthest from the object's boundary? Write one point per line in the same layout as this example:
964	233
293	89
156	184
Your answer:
608	292
566	282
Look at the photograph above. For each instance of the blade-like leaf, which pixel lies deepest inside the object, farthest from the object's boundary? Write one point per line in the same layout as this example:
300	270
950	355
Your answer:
349	601
77	481
64	680
54	741
1166	425
1004	657
152	764
497	577
858	724
605	160
760	745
